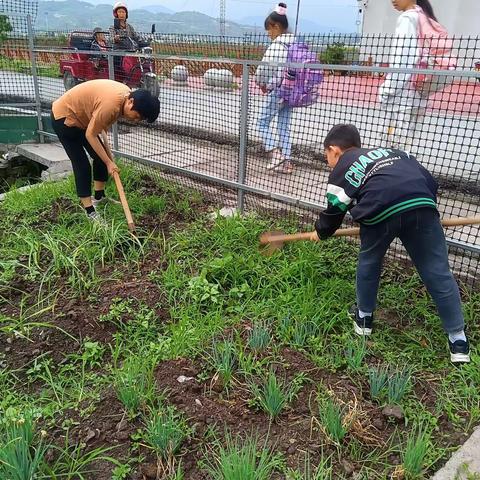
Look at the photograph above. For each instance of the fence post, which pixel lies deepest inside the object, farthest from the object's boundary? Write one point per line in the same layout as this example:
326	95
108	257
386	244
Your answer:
111	75
242	160
36	86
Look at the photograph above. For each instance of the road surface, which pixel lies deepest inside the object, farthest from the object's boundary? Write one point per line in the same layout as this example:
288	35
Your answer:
448	141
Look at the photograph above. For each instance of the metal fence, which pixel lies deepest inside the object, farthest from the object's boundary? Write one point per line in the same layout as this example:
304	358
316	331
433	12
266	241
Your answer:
209	136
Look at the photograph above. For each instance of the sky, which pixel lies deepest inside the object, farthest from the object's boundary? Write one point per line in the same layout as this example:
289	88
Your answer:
340	14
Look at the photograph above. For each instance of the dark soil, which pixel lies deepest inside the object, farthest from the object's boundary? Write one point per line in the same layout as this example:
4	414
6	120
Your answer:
204	402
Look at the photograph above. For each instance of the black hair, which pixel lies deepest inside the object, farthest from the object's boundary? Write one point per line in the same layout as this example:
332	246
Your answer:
344	136
146	105
276	18
426	6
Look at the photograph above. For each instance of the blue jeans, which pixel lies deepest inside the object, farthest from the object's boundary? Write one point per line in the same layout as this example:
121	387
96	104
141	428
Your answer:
422	236
272	107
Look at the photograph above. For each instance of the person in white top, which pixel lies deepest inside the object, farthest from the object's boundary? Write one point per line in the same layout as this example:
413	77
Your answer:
269	78
398	97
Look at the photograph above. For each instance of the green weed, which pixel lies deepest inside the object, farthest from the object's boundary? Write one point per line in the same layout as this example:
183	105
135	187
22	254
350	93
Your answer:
223	360
415	452
259	338
74	463
165	433
134	384
22	451
272	395
332	419
242	460
465	473
322	471
121	471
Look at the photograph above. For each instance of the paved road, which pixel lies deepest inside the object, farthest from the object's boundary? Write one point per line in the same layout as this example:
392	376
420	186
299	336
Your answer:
447	143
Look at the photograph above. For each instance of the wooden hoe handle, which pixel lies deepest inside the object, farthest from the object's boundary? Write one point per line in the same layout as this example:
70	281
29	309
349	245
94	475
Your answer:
355	231
123	200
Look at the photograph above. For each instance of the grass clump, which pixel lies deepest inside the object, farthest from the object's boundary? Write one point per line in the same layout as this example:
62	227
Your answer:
378	378
355	354
223	359
273	395
332	419
134	385
165	433
259	338
415	452
242	460
22	451
398	385
389	384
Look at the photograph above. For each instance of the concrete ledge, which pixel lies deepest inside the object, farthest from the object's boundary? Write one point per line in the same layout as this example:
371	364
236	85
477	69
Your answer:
51	155
465	462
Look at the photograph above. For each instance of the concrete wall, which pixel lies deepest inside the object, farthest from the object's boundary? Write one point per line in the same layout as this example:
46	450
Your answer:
460	17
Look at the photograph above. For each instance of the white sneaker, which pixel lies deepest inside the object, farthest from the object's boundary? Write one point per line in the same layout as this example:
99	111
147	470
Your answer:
277	160
103	201
96	218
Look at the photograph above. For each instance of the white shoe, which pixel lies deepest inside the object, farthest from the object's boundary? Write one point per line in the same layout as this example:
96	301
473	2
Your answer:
103	201
277	160
96	218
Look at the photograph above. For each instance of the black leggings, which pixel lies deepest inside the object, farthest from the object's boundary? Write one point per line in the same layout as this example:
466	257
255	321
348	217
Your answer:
75	143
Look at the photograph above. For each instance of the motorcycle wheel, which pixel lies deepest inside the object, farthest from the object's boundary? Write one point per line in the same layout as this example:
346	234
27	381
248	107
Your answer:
150	83
69	81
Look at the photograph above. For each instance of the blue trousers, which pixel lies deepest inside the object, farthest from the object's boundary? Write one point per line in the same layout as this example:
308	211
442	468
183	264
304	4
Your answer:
274	107
422	236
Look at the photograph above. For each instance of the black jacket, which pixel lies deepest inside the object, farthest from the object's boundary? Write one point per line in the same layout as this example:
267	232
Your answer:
375	184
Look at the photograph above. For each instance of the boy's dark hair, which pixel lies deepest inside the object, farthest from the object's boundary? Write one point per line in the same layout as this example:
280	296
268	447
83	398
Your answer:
426	6
146	105
344	136
275	17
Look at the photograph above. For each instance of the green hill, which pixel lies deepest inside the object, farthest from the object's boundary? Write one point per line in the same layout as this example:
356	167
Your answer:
75	14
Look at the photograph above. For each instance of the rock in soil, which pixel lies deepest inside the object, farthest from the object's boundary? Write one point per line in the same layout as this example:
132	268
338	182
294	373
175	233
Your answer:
393	412
91	435
379	423
394	459
149	471
347	467
291	449
122	436
122	425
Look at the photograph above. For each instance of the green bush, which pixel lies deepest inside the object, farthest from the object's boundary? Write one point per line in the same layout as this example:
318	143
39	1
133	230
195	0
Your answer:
334	54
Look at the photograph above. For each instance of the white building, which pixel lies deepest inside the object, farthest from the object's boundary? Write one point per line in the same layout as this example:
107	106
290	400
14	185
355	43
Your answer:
460	17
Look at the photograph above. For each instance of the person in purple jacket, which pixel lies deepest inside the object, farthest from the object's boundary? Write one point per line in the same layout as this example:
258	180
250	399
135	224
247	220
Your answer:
392	196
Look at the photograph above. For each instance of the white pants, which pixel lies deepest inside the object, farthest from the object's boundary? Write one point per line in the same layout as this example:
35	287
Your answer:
403	117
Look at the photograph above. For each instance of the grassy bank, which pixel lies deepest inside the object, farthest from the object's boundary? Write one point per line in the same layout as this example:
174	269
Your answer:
185	354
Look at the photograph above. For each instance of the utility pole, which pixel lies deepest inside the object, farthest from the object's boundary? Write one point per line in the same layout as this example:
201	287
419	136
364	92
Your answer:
362	6
223	20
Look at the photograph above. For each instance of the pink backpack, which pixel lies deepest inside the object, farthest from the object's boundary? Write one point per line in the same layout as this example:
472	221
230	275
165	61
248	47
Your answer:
435	53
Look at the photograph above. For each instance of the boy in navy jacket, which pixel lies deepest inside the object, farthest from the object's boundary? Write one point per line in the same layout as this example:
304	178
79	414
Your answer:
392	196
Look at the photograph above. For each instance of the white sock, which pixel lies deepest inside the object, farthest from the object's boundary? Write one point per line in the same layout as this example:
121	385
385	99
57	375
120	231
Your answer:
363	314
453	337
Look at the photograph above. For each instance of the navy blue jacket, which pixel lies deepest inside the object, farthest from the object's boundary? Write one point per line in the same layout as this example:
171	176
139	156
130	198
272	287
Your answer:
375	184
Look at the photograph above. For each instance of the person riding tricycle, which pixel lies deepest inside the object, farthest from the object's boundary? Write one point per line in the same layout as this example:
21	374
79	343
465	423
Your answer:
135	72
